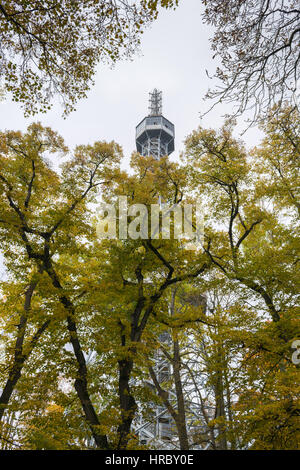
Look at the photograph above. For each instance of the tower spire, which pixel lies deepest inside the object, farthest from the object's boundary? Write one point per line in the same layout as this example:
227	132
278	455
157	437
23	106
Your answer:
155	102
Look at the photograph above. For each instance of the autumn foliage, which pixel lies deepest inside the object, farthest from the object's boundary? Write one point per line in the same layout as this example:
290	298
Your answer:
81	318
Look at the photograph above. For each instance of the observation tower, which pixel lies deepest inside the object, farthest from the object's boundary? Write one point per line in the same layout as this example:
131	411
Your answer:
155	134
155	137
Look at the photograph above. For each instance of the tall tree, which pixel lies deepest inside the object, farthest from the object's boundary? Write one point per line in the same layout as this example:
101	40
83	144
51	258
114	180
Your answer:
252	239
36	231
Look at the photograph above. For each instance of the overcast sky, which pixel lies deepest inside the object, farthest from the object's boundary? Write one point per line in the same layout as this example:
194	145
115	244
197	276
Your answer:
175	53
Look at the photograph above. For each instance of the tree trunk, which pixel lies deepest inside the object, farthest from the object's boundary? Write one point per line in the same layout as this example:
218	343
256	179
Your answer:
19	357
181	417
127	403
219	396
233	445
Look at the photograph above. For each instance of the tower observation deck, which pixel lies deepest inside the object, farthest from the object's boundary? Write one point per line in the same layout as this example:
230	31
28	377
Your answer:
155	134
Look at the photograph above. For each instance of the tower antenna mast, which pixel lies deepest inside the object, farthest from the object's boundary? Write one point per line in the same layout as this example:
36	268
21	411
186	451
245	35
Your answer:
155	103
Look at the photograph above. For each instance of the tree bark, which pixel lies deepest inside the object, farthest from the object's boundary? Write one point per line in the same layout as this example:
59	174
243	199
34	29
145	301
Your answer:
181	416
19	357
219	396
127	403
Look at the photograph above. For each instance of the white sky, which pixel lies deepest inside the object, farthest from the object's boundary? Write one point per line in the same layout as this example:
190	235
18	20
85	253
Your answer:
175	53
